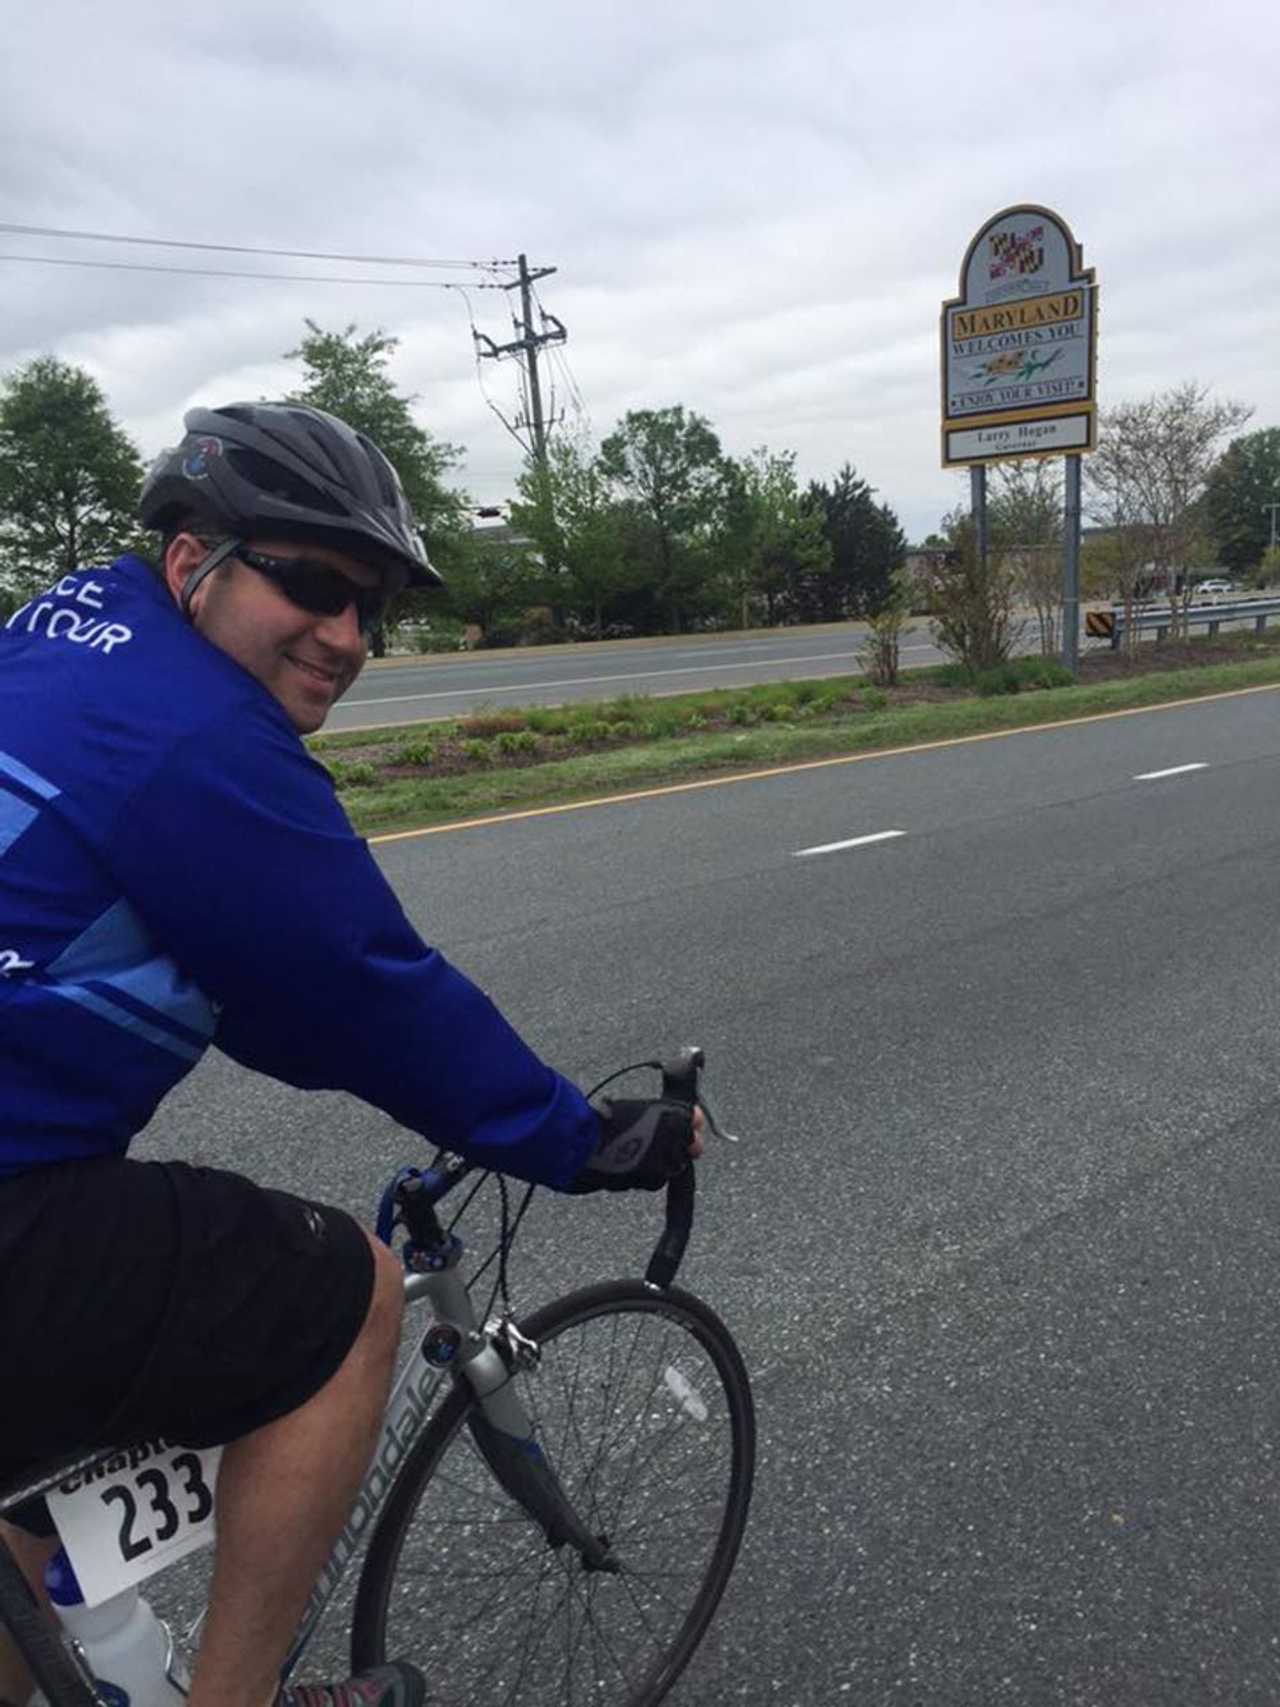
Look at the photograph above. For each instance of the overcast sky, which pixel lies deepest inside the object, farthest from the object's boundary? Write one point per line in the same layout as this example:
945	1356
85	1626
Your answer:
754	210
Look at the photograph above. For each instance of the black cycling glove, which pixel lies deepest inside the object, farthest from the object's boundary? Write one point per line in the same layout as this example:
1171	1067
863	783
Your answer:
644	1142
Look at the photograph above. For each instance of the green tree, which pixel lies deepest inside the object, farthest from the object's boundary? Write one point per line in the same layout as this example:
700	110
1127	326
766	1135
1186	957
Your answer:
567	511
492	586
1238	499
667	466
867	547
773	543
69	476
346	374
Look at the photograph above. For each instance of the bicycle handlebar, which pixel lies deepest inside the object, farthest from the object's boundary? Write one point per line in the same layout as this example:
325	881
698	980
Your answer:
679	1085
428	1187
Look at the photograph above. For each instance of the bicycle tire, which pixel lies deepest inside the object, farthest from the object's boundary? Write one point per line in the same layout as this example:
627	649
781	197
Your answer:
440	1579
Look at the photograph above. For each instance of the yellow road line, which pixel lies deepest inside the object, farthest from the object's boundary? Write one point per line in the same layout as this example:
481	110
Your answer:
812	765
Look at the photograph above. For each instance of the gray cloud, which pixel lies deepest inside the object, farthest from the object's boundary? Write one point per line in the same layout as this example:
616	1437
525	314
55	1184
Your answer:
755	210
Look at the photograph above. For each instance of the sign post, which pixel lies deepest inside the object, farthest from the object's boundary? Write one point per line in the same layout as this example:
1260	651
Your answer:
1019	367
1071	568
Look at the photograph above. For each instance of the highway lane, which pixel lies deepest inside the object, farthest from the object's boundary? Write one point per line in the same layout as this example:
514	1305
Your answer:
408	690
1000	1240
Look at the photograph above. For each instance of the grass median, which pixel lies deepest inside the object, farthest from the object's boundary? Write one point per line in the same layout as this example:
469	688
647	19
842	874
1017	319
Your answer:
424	774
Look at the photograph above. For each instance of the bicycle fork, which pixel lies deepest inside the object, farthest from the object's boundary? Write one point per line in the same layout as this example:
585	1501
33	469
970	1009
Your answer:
486	1357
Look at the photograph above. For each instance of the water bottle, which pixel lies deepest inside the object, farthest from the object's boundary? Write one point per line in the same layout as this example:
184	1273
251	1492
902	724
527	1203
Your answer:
129	1650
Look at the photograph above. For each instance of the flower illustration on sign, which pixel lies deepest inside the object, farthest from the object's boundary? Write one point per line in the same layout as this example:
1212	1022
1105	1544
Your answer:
1014	366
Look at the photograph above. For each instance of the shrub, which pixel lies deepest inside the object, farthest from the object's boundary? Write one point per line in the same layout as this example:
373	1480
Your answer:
627	708
483	723
513	741
419	751
594	732
547	722
880	650
872	699
440	635
359	773
1020	675
478	753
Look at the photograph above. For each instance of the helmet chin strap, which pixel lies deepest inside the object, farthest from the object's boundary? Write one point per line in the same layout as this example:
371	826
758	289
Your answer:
224	549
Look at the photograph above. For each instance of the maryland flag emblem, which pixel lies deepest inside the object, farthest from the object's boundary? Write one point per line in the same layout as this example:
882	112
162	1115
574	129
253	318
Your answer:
1017	252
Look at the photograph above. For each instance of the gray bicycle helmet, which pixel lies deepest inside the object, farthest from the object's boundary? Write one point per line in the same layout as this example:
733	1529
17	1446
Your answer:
290	470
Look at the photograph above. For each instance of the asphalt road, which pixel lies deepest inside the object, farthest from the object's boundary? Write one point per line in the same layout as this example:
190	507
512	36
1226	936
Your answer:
1001	1238
405	690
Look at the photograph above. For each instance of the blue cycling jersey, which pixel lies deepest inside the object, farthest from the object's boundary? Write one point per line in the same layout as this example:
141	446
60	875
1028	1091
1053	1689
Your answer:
175	871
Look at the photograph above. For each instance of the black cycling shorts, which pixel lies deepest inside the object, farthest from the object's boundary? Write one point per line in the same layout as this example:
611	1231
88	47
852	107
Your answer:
144	1299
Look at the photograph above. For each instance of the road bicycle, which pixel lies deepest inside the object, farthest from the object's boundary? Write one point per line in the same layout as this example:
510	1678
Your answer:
555	1504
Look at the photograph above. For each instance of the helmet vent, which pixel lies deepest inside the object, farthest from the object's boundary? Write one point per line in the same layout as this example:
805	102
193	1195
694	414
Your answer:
278	482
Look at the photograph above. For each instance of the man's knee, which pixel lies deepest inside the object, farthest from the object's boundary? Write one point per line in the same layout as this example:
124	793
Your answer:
386	1306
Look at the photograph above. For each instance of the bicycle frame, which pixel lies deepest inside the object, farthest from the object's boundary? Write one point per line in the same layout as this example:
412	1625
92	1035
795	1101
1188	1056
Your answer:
485	1356
482	1355
408	1409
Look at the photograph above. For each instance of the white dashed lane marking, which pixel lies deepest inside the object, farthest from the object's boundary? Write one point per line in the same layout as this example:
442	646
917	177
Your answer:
853	842
1175	770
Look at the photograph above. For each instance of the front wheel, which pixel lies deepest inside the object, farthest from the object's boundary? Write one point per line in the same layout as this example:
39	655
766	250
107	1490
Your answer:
643	1406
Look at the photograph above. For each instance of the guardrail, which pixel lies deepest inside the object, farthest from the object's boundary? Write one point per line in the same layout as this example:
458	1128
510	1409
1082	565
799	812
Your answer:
1196	615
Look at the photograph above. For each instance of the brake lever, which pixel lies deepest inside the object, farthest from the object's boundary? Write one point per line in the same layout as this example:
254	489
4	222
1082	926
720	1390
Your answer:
714	1125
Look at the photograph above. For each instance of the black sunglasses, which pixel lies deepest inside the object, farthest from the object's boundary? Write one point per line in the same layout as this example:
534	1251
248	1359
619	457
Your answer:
318	589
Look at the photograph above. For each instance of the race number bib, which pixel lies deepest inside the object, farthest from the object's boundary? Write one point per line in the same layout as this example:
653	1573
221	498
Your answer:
127	1516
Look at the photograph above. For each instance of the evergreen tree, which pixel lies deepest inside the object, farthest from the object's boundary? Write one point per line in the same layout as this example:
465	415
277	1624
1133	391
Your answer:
867	547
1241	490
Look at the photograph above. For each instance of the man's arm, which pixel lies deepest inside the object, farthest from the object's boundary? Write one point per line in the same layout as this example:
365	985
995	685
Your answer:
239	859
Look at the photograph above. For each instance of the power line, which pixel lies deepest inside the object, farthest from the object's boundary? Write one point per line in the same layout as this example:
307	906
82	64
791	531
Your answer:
484	391
526	346
559	359
246	249
235	273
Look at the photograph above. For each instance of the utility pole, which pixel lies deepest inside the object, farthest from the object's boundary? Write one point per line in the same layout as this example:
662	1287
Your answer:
527	345
1273	508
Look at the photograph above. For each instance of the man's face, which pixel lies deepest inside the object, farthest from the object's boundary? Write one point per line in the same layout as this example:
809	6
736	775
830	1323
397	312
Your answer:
305	660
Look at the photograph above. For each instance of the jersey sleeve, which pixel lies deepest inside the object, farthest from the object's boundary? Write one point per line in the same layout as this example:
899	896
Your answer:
240	860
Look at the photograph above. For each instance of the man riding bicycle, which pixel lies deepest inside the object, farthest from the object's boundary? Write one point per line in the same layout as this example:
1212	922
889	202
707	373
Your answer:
175	871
